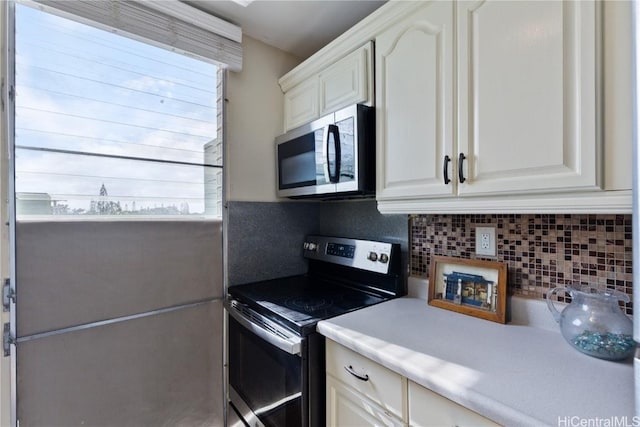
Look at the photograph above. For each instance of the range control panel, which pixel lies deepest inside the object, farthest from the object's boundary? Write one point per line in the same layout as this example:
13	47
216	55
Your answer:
337	249
363	254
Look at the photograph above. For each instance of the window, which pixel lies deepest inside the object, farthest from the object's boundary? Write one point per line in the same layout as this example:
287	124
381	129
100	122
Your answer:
107	125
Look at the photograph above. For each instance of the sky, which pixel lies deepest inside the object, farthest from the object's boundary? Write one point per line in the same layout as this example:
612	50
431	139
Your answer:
83	89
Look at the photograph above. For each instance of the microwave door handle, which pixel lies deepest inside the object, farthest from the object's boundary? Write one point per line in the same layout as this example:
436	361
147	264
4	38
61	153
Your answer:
335	131
325	152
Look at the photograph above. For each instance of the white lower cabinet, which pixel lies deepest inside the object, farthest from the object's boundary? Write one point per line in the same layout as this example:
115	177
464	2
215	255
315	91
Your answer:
373	382
360	393
348	408
427	408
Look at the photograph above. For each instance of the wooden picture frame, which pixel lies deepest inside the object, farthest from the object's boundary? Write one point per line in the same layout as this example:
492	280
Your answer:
469	286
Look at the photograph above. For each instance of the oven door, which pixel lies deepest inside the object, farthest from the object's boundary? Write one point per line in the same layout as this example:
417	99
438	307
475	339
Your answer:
266	382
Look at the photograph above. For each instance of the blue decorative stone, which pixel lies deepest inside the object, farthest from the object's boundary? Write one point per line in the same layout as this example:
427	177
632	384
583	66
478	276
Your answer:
605	345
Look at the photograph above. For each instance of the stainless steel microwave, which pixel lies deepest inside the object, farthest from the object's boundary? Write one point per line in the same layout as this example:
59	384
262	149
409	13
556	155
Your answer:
332	157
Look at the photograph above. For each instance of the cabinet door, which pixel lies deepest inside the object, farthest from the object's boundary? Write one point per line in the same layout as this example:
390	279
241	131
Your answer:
348	81
347	408
301	104
527	96
427	408
414	73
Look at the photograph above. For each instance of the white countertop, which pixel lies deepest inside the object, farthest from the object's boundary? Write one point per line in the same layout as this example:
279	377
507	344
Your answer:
515	375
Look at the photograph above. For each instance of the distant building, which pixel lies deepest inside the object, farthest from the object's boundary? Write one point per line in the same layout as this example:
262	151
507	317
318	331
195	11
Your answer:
33	204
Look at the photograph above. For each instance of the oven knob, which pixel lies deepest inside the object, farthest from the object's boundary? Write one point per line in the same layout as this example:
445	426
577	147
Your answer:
384	258
312	246
372	256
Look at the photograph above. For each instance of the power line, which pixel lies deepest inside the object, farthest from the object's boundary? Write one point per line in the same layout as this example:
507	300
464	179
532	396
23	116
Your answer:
77	116
75	76
129	70
113	178
111	103
68	135
78	196
115	156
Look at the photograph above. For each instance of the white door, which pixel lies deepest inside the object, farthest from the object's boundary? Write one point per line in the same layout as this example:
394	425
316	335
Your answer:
414	94
527	96
119	323
117	318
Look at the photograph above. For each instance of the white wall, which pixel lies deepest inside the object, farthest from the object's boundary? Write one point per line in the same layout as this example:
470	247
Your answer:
254	117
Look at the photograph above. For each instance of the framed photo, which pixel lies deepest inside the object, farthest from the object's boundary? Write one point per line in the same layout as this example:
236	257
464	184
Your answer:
469	286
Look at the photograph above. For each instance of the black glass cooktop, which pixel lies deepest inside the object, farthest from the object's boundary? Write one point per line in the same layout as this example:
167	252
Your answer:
299	302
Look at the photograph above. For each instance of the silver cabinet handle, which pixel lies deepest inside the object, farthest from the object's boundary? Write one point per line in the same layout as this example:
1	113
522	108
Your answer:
364	377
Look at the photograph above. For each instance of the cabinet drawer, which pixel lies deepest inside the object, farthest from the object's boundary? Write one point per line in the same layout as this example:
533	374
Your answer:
346	407
383	386
427	408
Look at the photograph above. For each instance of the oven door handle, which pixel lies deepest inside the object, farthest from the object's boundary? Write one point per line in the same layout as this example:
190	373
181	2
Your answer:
290	345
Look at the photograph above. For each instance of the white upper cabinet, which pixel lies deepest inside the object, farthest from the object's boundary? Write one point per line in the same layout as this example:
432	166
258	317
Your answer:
496	106
347	81
301	104
414	95
527	95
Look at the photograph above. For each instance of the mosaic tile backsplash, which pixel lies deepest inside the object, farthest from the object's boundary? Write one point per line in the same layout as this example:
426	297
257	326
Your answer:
541	251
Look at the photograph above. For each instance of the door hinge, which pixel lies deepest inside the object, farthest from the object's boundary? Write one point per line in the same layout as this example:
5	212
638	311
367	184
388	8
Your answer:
7	340
11	93
8	295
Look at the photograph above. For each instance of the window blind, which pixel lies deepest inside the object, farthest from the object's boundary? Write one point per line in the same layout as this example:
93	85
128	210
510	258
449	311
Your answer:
167	24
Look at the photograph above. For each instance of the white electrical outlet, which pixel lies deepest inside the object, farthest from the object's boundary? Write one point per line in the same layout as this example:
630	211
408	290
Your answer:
486	241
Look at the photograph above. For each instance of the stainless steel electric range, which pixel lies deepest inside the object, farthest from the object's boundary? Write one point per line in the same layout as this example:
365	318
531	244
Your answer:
276	357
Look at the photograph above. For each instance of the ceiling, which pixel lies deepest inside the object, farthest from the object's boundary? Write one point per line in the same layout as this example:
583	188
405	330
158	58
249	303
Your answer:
300	27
